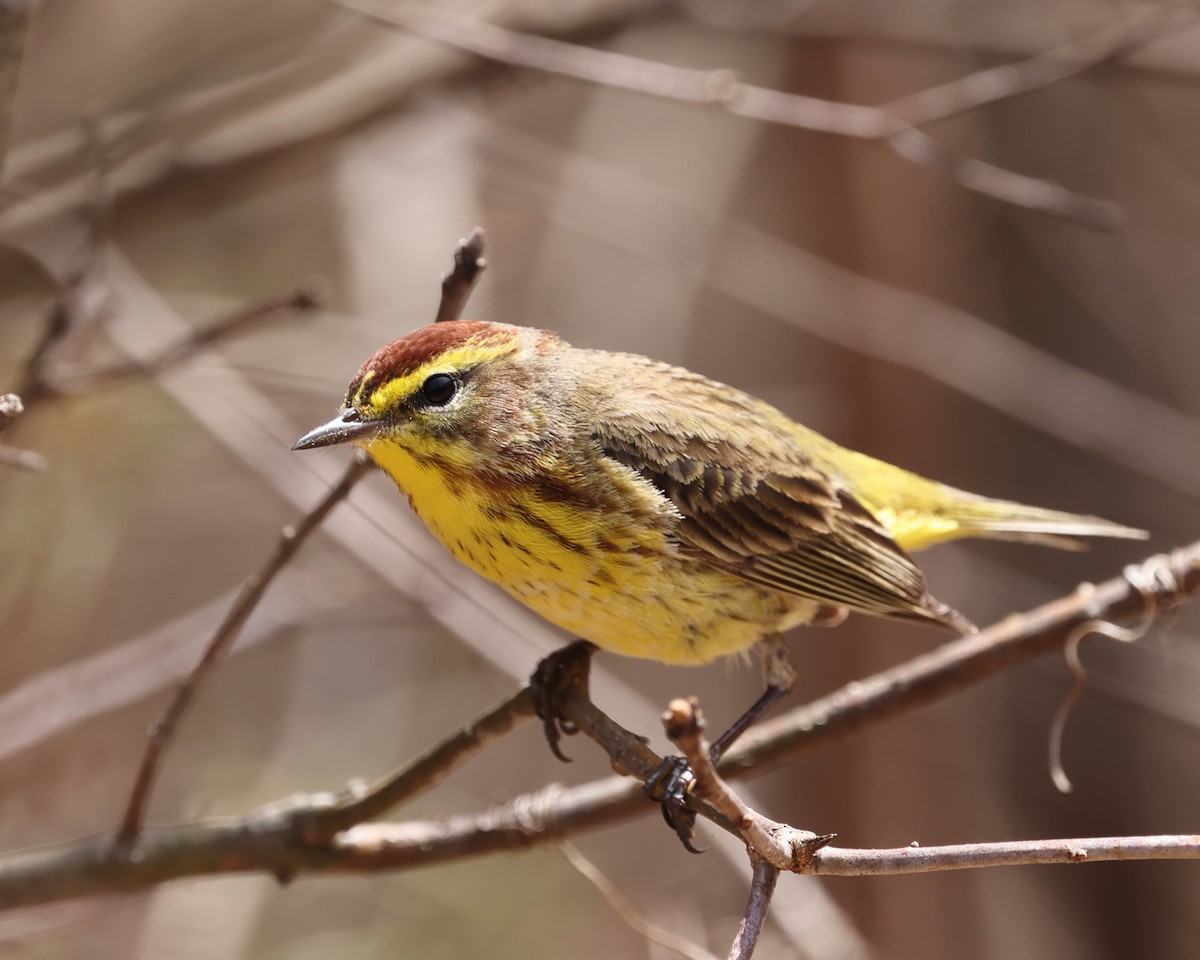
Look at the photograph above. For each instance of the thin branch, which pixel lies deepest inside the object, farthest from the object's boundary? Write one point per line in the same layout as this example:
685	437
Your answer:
11	408
762	888
459	282
274	839
990	86
1032	193
840	862
423	773
891	123
624	909
290	541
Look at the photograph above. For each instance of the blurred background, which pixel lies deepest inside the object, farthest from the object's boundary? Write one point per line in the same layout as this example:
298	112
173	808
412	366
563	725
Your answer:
170	164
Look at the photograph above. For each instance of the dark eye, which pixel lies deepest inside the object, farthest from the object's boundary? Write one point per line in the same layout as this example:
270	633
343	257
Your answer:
439	389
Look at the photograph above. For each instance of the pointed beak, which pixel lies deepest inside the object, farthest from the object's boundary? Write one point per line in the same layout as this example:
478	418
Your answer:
346	427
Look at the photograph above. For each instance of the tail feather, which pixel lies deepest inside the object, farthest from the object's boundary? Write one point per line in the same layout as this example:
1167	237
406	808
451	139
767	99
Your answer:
1003	520
919	512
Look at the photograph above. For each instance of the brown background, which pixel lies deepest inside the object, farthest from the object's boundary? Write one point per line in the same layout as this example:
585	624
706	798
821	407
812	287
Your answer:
252	147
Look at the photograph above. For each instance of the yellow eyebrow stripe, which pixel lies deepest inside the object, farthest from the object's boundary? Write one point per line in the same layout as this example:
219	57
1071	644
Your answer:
394	392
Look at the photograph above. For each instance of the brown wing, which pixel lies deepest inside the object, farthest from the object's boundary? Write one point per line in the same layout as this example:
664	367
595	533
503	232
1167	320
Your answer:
788	526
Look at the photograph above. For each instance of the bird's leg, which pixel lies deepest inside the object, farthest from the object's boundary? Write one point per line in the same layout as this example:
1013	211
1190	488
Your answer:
670	783
562	674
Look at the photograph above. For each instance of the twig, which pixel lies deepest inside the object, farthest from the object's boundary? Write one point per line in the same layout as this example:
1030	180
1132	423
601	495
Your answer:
845	862
892	123
291	539
1032	193
624	909
11	408
762	888
782	846
990	86
459	282
423	773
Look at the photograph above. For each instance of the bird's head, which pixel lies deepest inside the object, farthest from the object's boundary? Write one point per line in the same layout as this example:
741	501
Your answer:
456	390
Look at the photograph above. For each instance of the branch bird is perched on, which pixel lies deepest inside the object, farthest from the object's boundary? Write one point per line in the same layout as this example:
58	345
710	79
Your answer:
648	509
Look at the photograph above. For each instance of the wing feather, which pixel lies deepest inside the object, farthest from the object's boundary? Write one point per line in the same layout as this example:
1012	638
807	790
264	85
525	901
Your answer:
782	523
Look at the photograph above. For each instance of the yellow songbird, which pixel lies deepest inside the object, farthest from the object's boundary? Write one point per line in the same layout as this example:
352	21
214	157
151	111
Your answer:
646	508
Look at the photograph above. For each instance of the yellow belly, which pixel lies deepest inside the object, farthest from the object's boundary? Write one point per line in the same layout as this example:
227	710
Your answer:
607	577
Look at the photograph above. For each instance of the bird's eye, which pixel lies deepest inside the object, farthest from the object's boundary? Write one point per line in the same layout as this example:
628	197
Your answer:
439	389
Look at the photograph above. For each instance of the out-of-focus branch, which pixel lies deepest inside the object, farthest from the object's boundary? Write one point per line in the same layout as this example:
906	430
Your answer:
252	591
278	839
14	27
304	299
891	123
44	380
625	910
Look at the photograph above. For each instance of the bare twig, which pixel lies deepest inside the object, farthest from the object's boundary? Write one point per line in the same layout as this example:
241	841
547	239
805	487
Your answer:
844	862
762	888
252	591
11	408
782	846
891	123
1044	69
625	910
459	282
423	773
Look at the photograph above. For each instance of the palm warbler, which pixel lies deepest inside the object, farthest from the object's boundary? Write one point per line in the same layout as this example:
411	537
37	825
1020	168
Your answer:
648	509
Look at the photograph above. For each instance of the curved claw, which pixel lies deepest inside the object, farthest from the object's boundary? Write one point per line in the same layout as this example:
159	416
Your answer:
670	785
557	677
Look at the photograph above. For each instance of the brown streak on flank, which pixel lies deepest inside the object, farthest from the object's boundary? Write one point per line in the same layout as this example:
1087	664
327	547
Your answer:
532	519
419	347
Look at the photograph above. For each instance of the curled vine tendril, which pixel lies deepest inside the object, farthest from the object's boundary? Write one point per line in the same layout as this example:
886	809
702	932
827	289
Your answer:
1161	590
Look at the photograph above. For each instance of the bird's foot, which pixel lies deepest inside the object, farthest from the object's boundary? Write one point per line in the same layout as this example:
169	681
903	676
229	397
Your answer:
670	785
561	675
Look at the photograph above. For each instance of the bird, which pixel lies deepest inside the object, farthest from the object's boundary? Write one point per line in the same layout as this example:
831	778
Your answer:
648	509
